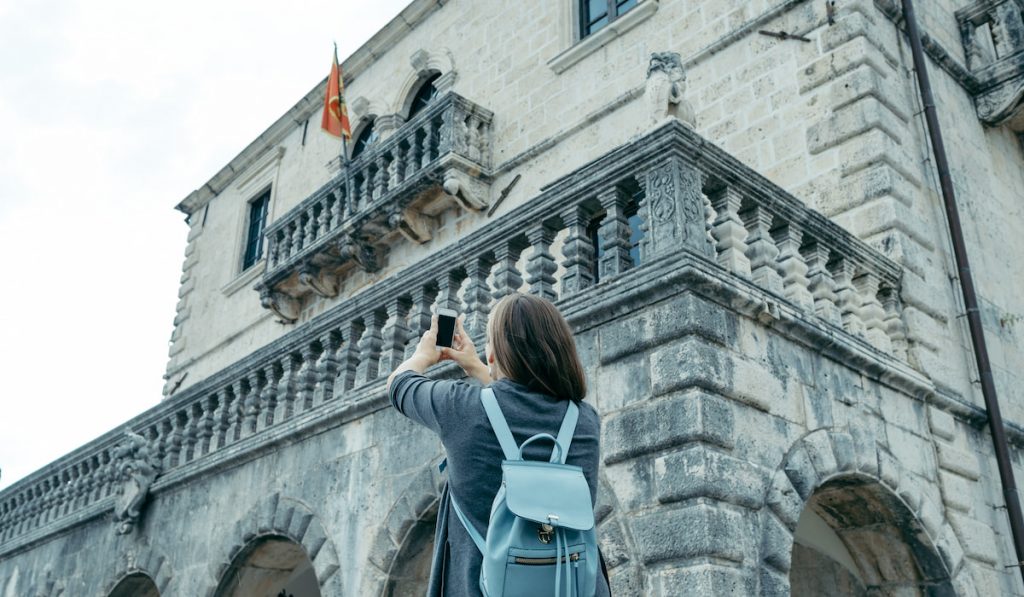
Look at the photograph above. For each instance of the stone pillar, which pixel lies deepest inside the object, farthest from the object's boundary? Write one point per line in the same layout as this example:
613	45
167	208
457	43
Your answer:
613	234
578	251
541	266
673	211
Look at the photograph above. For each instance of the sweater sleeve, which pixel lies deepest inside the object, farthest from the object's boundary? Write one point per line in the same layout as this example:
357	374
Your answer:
435	404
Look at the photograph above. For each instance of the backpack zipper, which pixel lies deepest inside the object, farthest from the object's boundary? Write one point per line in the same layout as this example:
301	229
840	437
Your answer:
573	557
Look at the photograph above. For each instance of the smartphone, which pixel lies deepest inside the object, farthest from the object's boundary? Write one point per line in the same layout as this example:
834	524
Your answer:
446	326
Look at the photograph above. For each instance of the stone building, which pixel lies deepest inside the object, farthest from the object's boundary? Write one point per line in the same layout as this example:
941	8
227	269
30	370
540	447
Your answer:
744	230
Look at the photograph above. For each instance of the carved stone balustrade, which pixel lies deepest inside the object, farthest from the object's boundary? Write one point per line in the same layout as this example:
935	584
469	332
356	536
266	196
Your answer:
708	223
396	186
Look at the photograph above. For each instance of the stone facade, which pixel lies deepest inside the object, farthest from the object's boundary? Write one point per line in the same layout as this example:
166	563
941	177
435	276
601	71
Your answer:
745	233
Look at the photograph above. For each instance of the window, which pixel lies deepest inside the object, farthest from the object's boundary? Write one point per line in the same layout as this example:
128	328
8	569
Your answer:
424	95
595	14
257	223
367	136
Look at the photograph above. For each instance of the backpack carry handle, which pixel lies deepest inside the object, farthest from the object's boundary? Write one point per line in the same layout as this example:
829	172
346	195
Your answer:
546	436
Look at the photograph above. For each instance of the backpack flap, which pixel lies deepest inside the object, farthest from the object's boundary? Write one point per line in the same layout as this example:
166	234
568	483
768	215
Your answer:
555	494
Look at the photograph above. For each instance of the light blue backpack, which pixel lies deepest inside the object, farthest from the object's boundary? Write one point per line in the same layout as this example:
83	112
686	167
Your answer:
541	538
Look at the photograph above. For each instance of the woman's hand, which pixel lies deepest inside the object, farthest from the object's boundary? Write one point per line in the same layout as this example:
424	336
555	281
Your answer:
424	357
464	353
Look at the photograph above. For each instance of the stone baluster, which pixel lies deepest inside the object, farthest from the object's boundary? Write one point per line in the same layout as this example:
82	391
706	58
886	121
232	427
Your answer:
323	217
369	348
419	316
268	396
209	406
167	441
729	233
309	226
448	290
365	187
350	356
222	419
847	299
380	176
273	248
872	313
285	249
792	266
395	335
46	506
249	394
476	151
305	378
326	367
81	471
395	167
285	394
414	160
297	236
541	266
190	436
426	151
506	275
338	207
894	323
820	283
578	251
104	470
761	249
94	480
446	131
64	500
614	234
478	295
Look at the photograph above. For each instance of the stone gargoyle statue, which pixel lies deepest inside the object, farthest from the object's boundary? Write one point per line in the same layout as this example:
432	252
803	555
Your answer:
135	468
666	84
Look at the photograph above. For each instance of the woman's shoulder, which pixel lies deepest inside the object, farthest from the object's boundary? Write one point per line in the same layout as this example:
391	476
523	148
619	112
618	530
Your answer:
589	414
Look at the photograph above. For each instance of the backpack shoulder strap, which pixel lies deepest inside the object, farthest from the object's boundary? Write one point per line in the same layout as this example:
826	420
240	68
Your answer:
501	430
565	433
473	533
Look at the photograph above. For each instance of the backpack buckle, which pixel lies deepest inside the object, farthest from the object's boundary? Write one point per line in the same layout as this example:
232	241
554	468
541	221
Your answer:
545	533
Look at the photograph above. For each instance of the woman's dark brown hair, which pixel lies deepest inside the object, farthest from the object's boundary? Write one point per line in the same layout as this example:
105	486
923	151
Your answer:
533	345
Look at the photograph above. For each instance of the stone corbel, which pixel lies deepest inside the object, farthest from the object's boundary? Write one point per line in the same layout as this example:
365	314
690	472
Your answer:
320	282
135	466
284	306
363	253
469	192
412	224
1003	106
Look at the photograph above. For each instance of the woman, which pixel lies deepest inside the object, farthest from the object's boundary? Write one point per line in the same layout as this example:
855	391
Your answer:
533	369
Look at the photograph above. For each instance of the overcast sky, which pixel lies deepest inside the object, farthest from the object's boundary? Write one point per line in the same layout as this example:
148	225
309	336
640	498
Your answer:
113	111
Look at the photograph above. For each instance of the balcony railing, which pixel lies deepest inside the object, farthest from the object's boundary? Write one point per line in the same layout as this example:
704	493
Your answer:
447	146
708	222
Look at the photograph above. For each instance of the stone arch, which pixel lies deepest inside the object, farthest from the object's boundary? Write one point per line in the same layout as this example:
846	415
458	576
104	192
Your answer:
135	584
829	458
424	64
415	509
145	562
287	518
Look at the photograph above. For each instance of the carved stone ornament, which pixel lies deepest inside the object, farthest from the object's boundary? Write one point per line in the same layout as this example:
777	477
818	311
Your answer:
470	193
362	252
284	306
320	282
411	223
666	84
135	468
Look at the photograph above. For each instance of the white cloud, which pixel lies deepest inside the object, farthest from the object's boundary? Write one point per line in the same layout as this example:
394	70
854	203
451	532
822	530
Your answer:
114	111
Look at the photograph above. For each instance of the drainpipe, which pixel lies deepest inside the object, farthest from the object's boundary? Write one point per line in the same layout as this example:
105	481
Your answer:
988	388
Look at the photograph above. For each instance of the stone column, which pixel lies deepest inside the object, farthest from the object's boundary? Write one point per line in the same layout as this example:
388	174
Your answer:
578	251
541	266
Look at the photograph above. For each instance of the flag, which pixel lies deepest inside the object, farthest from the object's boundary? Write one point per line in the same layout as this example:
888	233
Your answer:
335	117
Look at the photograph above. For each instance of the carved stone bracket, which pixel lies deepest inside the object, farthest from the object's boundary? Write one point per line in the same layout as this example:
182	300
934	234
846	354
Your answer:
321	283
468	191
284	306
135	466
365	254
413	224
992	32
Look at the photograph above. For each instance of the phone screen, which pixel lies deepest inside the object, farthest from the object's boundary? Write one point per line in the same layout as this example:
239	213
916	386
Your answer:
445	327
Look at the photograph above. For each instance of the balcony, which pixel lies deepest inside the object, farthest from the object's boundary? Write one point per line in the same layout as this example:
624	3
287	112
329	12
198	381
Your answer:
710	225
439	157
993	36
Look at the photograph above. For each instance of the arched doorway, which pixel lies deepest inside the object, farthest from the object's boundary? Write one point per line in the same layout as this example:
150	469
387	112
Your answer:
135	585
411	571
855	537
270	566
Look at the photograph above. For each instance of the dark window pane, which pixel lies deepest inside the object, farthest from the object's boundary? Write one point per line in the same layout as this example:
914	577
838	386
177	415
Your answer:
257	222
593	16
426	93
624	5
366	137
595	241
596	9
635	236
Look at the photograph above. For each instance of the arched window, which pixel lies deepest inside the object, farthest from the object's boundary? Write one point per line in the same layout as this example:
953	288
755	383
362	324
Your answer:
270	565
367	136
424	95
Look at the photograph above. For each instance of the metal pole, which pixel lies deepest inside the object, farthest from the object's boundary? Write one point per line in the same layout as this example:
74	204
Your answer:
988	388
